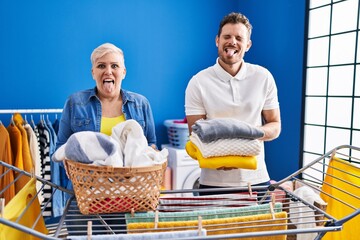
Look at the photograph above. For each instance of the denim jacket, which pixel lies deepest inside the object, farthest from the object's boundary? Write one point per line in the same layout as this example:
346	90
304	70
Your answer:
82	112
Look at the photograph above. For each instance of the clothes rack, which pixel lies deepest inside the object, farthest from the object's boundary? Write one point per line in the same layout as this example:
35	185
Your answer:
321	175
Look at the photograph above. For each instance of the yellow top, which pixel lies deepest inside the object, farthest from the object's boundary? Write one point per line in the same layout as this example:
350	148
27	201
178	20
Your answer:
108	123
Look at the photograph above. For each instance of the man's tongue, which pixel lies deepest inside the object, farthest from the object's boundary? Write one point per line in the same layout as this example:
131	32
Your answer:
230	52
109	86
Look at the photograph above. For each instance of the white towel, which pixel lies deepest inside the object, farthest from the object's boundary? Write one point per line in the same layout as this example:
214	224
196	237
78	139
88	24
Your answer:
90	147
300	213
225	147
134	146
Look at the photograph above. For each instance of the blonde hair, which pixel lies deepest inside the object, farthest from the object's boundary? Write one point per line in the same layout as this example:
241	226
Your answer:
103	49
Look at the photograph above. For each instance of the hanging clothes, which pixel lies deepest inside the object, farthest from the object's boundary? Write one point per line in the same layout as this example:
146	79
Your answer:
16	148
44	143
6	156
342	176
26	155
15	209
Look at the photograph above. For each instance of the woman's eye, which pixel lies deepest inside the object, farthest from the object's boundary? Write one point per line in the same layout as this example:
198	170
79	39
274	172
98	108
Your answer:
114	66
101	66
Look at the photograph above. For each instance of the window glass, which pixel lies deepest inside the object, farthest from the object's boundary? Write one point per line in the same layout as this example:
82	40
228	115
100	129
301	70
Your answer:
341	80
356	121
357	81
339	112
344	16
317	3
316	81
342	48
336	137
318	51
319	22
315	110
314	136
356	142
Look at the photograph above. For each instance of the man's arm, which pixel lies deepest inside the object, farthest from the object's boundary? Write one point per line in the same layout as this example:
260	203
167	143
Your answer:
272	125
191	119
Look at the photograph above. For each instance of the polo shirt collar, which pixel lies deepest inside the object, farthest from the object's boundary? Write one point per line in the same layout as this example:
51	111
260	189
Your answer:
225	76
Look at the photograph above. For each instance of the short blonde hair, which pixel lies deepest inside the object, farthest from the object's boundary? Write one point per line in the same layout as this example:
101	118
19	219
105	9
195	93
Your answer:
103	49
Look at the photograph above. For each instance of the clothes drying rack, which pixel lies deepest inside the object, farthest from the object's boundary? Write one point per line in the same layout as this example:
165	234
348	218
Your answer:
312	175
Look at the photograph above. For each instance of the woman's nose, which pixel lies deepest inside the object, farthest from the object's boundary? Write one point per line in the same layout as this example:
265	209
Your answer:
108	71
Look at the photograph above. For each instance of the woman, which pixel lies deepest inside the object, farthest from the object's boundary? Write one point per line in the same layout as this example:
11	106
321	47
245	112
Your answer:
101	108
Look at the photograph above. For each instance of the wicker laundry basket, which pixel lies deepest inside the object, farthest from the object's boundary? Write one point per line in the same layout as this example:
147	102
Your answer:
106	189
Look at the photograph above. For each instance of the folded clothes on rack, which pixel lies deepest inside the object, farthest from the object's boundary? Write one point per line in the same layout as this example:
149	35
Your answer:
145	236
205	214
244	162
179	204
244	224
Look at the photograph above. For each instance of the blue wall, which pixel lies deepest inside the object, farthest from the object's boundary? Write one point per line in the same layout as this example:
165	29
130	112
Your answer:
45	51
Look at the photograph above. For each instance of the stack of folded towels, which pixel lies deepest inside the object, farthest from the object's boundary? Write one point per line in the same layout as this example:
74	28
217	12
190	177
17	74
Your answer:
224	142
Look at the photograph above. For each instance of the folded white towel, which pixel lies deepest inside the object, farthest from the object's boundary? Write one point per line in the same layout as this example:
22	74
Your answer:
226	147
90	147
134	146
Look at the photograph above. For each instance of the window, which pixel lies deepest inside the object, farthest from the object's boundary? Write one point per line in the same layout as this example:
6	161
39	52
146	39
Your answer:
332	78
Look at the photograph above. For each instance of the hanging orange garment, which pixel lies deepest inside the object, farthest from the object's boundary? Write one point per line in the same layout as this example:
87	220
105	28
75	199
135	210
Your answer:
342	175
6	156
16	148
26	154
16	207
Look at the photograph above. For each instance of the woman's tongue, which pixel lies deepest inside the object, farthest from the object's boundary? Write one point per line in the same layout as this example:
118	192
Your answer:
109	86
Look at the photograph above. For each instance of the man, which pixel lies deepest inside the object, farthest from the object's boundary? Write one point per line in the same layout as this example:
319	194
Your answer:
235	89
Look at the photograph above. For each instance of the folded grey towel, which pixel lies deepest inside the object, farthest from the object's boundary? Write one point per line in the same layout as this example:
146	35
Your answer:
225	128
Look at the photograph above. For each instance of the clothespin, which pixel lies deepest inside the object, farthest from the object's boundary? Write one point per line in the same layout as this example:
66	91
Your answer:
132	212
333	154
199	225
89	230
156	219
250	189
32	172
271	204
2	207
273	199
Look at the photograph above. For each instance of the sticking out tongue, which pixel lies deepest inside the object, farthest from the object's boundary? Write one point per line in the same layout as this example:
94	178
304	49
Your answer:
109	85
230	52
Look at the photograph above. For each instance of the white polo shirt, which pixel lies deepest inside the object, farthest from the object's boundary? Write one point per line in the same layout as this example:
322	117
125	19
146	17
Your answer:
215	93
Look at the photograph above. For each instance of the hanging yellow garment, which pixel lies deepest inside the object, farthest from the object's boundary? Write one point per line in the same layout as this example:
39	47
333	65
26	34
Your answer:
6	156
345	176
16	207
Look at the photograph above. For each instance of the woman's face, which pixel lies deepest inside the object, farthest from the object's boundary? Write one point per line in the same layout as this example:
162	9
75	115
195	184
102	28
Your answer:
108	72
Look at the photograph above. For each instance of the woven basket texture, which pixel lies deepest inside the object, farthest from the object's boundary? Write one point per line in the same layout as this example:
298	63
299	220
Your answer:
106	189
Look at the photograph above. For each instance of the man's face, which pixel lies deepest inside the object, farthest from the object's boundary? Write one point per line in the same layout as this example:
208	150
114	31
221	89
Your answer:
232	43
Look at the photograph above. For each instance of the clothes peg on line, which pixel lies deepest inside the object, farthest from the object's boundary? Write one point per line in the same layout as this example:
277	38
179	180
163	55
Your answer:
2	207
250	189
199	225
156	220
89	230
